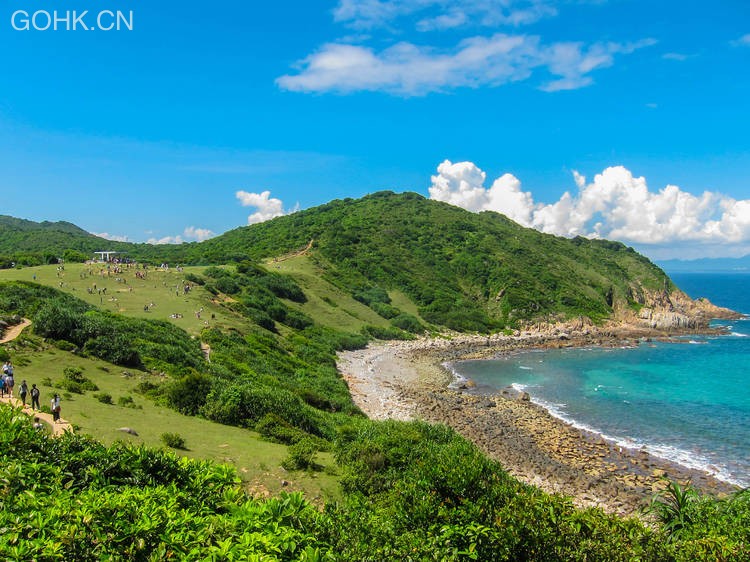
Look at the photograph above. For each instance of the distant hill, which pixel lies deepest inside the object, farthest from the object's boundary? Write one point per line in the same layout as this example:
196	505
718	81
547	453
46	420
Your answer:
13	224
28	242
707	265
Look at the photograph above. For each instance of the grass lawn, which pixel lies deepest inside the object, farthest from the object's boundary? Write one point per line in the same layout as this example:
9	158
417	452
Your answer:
258	462
160	292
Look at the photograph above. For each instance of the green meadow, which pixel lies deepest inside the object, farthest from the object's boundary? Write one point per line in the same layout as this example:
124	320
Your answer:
258	461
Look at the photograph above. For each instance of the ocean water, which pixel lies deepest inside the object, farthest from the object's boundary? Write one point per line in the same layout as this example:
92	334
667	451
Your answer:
688	402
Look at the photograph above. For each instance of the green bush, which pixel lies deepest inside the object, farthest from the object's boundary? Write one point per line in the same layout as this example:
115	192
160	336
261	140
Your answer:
381	333
74	381
276	429
387	311
188	394
408	323
193	278
126	402
301	456
104	398
173	440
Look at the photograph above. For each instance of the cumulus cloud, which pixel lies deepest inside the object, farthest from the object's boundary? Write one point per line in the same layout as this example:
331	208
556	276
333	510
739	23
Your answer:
166	240
190	233
199	234
615	205
113	237
267	207
411	70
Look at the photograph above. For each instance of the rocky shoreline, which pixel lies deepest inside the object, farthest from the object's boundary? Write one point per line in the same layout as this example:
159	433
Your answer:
407	380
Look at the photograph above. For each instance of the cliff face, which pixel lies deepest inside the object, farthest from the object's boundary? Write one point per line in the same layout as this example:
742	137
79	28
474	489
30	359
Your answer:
672	311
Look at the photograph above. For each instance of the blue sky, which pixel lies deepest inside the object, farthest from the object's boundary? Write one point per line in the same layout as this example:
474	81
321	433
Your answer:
176	129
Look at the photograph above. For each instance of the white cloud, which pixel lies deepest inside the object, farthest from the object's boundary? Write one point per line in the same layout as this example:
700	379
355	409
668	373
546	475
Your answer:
267	207
675	56
616	205
189	234
199	234
166	240
113	237
410	70
743	41
442	14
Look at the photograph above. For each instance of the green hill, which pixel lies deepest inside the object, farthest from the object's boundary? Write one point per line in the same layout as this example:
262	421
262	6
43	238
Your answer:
463	270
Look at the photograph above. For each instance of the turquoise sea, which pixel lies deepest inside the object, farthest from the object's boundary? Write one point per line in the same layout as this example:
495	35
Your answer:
688	402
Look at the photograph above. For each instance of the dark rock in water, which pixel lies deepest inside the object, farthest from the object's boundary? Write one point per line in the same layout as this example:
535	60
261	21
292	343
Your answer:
129	430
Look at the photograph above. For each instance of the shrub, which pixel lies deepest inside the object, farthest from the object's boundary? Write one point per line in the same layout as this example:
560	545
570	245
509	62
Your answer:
408	322
275	428
381	333
227	285
193	278
126	402
301	456
104	398
173	440
387	311
64	345
74	381
369	295
188	394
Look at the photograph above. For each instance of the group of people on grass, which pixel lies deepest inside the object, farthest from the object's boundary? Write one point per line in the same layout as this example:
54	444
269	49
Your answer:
8	385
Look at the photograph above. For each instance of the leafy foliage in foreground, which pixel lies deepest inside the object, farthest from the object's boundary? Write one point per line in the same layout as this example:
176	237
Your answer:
74	499
413	492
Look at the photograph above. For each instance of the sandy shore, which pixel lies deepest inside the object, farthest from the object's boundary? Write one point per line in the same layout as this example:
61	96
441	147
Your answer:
406	380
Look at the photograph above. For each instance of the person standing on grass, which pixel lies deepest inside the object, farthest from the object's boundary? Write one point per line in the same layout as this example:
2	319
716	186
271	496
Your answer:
9	384
35	398
55	404
23	391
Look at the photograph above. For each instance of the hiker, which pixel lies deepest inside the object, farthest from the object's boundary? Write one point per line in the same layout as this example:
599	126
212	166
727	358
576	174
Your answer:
35	398
38	424
23	391
2	384
55	405
9	384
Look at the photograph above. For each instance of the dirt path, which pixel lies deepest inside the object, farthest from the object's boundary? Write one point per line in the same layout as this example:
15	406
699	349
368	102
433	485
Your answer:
14	331
57	428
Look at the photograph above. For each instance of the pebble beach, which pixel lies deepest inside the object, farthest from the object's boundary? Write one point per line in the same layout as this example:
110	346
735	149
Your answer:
408	381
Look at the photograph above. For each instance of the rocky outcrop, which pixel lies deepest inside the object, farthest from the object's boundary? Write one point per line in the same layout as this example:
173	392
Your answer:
671	311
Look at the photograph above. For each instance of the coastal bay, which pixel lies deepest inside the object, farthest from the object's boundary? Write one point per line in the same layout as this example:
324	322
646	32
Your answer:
408	380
